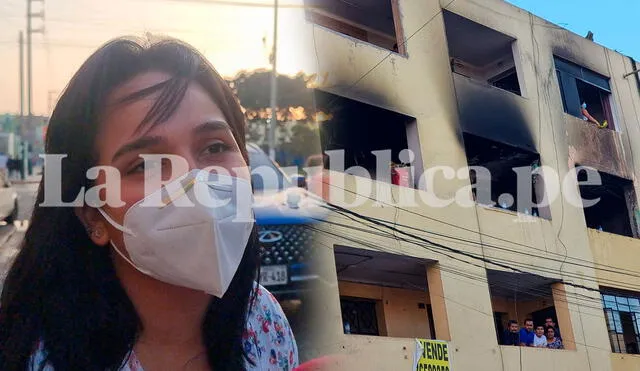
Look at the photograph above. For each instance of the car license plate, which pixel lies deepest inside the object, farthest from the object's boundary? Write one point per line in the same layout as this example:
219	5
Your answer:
273	275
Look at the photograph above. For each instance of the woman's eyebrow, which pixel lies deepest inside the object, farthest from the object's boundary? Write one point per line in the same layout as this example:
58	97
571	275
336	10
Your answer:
210	126
138	144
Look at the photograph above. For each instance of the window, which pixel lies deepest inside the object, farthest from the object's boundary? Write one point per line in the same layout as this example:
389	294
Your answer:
579	85
520	296
481	53
359	316
622	313
359	129
499	185
376	22
612	213
383	294
507	80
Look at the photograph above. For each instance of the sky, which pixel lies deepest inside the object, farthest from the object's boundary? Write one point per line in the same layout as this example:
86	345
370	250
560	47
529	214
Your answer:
230	36
614	23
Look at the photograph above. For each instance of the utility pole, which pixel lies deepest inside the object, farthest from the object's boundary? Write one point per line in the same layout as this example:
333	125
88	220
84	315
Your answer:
30	31
274	85
21	42
51	95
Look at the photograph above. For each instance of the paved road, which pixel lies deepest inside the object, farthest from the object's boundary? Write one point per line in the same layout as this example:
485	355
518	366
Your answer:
11	235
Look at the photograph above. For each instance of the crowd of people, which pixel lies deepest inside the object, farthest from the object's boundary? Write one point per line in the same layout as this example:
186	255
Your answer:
545	335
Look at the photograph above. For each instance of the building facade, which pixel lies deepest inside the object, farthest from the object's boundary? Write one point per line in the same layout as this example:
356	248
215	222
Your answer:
462	84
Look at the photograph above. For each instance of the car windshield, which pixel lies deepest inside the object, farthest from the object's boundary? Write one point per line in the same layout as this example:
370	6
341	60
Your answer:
265	174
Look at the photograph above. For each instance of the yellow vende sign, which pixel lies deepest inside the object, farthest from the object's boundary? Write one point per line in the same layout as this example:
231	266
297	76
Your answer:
432	355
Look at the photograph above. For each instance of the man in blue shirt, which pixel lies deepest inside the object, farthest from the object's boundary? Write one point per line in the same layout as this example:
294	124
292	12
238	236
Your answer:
526	333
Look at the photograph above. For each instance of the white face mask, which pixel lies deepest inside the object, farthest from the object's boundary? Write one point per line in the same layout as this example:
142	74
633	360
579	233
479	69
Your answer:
198	246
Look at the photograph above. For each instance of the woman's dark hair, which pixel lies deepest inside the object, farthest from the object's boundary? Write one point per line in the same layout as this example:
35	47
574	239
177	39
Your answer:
62	288
546	330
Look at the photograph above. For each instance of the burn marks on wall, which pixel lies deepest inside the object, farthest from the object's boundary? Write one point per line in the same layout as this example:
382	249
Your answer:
493	114
360	129
597	148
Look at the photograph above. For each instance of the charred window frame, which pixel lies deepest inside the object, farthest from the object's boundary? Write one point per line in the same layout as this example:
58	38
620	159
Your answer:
614	213
375	22
359	129
577	85
622	314
501	160
482	54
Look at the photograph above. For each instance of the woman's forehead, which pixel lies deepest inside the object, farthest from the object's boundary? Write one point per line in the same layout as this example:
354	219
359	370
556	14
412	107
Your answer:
139	82
123	121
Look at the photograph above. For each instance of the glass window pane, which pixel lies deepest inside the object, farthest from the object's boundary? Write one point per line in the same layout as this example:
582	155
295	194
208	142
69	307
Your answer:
623	304
609	317
635	305
622	300
609	302
617	322
608	298
615	345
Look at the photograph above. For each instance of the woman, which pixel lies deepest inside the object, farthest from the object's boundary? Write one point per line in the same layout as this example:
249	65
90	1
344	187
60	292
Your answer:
110	288
552	341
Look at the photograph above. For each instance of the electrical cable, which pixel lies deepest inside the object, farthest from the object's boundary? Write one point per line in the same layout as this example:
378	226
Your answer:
401	44
613	269
492	261
456	275
525	266
597	302
513	263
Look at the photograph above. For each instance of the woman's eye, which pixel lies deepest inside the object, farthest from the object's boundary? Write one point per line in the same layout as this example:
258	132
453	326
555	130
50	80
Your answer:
138	168
143	166
218	147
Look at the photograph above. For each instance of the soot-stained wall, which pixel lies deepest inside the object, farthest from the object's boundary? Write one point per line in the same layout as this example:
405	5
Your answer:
598	148
493	113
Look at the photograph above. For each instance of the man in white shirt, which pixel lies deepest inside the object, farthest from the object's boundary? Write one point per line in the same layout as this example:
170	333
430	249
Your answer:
539	340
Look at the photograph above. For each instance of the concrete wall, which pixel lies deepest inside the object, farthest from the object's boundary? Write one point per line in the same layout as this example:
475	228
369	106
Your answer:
420	84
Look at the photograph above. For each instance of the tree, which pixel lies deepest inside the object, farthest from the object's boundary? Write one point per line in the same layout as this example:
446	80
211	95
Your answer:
297	133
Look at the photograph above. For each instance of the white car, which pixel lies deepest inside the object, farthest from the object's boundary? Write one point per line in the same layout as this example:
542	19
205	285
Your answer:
8	200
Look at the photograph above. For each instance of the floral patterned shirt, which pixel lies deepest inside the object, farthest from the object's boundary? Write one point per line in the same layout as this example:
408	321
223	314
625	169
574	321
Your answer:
268	339
556	344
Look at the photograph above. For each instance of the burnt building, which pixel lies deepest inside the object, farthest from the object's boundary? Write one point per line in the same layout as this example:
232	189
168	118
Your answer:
485	104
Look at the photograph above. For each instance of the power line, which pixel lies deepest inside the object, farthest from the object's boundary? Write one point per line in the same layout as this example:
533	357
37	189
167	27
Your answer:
472	276
579	299
494	261
401	44
613	268
506	261
525	266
